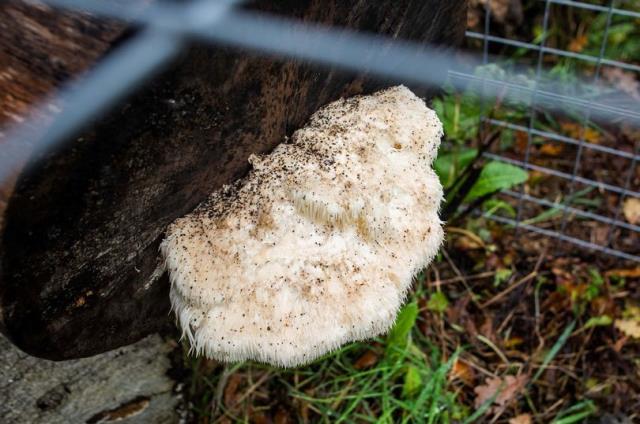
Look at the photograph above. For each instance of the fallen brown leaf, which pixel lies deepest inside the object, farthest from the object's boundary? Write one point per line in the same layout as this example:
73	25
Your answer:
578	44
504	389
282	416
625	81
552	149
367	360
619	344
461	370
486	329
231	394
522	140
626	273
631	210
629	327
521	419
465	243
577	131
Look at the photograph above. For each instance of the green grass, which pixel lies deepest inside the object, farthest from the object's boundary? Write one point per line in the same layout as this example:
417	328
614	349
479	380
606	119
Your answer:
406	382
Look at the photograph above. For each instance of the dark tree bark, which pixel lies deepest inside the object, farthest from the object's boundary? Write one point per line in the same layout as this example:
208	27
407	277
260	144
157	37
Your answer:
80	267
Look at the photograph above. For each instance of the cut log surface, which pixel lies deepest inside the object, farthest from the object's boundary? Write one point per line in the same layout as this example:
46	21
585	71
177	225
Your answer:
128	385
80	271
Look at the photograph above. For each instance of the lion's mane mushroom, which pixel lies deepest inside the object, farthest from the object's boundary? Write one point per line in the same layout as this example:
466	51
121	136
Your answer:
318	245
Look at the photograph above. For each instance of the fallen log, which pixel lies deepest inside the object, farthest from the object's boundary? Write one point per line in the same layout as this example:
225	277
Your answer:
80	271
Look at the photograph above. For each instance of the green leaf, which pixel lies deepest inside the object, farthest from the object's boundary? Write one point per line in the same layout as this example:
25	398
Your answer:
397	338
459	115
554	350
438	302
412	382
449	165
600	321
496	176
502	275
492	206
576	413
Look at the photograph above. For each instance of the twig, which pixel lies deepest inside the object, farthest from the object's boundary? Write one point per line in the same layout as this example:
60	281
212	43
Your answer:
509	289
459	274
506	321
219	393
493	347
467	233
478	368
254	386
479	276
527	278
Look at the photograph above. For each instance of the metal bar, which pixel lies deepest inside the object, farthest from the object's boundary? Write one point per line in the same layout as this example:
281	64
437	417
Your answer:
565	238
596	7
623	195
485	60
550	100
118	73
575	211
487	31
587	116
552	50
563	175
565	139
532	111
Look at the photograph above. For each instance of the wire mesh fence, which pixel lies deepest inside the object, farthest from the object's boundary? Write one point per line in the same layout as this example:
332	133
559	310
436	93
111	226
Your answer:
584	198
539	105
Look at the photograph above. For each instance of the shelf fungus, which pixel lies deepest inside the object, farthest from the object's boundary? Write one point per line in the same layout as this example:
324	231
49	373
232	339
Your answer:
319	244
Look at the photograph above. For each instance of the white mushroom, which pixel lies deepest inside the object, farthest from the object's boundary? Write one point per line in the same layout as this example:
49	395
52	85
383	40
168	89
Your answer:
318	245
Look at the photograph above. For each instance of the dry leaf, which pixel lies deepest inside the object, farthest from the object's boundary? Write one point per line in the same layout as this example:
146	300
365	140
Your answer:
512	342
486	329
282	416
619	344
521	419
599	235
578	131
552	149
501	10
625	81
522	141
461	370
368	359
465	243
625	273
507	389
631	210
629	327
231	393
577	44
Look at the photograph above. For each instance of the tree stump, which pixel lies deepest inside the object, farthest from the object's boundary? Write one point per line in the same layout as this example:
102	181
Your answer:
80	272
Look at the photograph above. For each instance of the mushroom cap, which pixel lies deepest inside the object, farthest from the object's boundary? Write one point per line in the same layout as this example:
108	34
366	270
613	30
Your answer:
319	244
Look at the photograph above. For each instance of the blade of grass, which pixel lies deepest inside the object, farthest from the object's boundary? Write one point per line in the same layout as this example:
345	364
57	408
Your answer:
554	350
